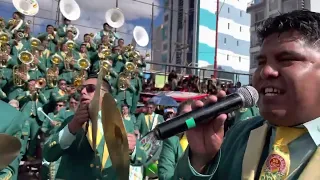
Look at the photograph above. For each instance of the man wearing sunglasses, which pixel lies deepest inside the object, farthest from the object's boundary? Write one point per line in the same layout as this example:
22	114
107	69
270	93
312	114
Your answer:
72	142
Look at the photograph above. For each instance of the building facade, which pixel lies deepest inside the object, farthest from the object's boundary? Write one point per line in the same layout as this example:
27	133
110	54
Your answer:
260	10
233	36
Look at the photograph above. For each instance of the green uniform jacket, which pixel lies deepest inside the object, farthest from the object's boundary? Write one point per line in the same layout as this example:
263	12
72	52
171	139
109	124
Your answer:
170	154
11	123
118	62
52	43
246	113
142	126
79	161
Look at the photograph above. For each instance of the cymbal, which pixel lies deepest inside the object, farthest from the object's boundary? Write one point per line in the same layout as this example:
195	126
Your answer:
115	136
9	149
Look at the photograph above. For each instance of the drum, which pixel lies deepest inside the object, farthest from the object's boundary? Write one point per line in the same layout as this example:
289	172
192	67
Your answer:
152	148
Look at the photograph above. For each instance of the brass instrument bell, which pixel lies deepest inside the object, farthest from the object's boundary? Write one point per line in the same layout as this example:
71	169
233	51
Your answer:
55	59
84	64
106	52
40	83
123	81
35	42
70	45
91	35
130	67
12	22
25	57
4	37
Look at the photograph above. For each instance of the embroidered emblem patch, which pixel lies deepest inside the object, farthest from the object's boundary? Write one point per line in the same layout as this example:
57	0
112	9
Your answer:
276	165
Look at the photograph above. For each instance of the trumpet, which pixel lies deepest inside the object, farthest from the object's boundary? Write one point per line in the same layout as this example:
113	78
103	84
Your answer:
4	39
106	65
40	83
105	53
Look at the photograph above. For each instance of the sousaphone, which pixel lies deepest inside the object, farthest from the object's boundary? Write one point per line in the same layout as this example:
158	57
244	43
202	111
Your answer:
70	9
141	36
26	7
115	18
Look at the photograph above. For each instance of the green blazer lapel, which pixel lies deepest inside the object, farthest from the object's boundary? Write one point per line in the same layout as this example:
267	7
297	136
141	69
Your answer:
253	152
311	171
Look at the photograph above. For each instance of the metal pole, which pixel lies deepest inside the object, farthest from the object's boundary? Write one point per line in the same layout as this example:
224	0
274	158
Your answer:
151	33
170	39
215	65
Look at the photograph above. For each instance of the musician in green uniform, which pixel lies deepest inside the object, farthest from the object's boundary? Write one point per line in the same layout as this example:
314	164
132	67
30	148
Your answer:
90	45
30	100
16	23
282	143
128	117
62	30
124	94
11	123
119	60
78	160
173	148
49	125
146	122
51	37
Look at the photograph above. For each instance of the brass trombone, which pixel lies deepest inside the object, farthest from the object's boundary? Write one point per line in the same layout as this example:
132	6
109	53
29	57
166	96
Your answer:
40	83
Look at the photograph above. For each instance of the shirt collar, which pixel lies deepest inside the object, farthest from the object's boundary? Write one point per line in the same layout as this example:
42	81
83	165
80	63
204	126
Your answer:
313	128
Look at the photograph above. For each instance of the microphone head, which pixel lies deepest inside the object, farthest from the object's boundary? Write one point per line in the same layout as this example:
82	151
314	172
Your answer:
250	96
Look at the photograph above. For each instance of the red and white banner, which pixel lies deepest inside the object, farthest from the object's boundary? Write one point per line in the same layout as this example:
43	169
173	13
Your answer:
177	95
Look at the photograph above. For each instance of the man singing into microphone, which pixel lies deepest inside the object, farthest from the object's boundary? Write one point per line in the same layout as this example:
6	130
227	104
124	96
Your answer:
284	142
73	143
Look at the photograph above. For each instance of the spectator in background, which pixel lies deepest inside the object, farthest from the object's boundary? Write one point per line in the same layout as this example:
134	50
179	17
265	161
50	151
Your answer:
169	113
173	79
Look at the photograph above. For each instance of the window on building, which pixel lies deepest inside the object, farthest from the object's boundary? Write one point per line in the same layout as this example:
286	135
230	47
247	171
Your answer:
228	25
259	16
240	13
165	47
240	29
166	17
289	5
273	5
239	58
225	40
228	10
227	57
237	43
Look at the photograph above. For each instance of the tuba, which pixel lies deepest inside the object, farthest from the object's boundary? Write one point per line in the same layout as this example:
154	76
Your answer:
141	36
84	65
29	8
75	31
25	58
115	18
70	9
51	75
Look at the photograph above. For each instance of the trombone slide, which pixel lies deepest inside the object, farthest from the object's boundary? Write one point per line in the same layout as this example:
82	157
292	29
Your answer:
41	111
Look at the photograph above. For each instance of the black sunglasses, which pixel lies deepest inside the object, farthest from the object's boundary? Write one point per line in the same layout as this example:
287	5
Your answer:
90	88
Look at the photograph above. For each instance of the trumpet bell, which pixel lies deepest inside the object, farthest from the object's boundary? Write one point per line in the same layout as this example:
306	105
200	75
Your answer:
84	64
115	18
106	52
77	82
70	45
41	83
25	57
141	36
105	64
70	9
26	7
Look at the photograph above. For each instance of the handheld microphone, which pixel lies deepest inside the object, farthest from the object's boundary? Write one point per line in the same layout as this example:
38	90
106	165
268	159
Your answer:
245	97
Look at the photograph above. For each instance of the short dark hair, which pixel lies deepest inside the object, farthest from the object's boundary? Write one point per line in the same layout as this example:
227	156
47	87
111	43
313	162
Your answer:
49	25
86	35
75	96
120	39
183	104
105	83
306	22
104	24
